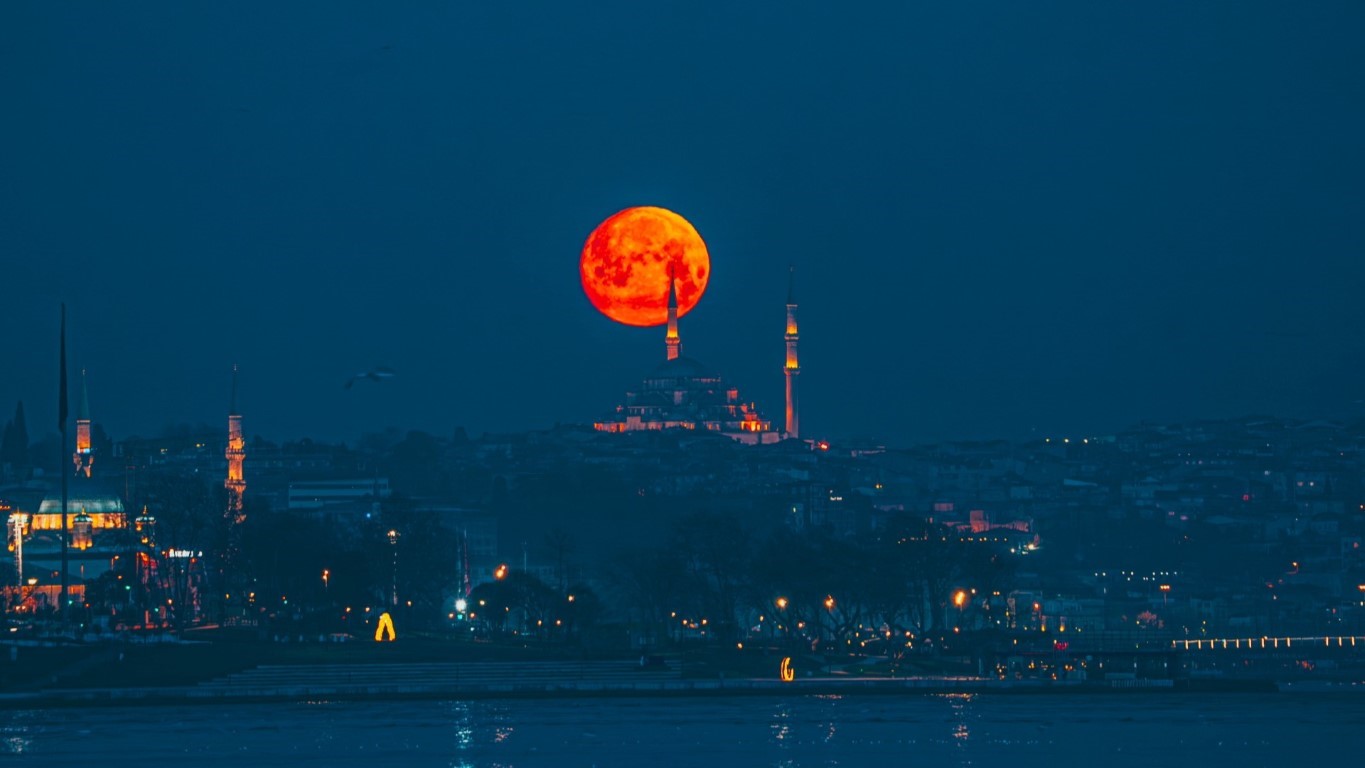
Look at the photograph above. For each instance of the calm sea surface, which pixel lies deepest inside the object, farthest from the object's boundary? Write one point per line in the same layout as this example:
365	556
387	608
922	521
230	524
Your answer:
1019	731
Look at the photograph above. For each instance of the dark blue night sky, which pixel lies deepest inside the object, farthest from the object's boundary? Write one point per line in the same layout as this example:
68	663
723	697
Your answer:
1005	216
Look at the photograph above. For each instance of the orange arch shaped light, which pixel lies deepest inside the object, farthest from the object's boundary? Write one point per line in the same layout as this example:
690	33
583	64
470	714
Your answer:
385	627
787	673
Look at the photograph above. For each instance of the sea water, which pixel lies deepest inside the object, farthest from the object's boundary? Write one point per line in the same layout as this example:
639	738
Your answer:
953	730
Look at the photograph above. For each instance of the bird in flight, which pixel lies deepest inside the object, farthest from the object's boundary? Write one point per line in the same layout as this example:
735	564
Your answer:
376	374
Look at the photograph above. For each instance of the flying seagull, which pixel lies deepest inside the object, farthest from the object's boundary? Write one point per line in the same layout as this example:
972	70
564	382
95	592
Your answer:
377	374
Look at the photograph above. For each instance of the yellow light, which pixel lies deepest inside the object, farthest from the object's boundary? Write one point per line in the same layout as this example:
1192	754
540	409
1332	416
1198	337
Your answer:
781	603
385	627
785	672
501	572
829	602
959	598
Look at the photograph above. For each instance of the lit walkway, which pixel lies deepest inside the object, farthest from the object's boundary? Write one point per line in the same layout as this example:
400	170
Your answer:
1270	643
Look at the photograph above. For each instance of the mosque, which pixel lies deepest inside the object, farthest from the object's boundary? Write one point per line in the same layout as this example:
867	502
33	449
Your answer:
96	524
98	527
682	393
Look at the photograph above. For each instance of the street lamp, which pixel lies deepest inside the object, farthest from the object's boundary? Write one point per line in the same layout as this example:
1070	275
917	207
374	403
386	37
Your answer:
501	572
24	598
393	542
960	601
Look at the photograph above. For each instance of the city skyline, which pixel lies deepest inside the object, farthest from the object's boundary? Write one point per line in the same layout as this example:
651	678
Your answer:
1081	224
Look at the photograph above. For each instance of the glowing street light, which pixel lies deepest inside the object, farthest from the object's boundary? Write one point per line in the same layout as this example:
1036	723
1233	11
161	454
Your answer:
501	572
959	599
781	603
829	602
393	542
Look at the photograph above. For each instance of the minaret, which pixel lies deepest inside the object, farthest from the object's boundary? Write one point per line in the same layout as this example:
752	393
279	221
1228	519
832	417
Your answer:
83	458
793	368
671	340
236	454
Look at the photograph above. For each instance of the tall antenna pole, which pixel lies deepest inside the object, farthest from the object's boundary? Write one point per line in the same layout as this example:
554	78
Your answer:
61	427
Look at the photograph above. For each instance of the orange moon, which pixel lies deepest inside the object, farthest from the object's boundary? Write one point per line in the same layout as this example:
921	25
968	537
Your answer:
625	264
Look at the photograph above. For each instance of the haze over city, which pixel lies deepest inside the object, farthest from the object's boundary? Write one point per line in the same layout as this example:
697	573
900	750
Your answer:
682	383
1005	220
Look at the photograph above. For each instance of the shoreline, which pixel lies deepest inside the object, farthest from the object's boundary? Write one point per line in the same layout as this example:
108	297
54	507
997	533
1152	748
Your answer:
180	695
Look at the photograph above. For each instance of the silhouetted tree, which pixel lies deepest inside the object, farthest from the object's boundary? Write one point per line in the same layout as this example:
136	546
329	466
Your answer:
14	445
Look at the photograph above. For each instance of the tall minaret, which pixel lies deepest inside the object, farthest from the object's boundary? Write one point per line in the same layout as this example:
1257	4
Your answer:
671	340
793	368
83	458
236	454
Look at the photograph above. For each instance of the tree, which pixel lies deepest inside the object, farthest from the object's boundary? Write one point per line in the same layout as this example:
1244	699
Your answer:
716	552
426	552
14	445
189	518
651	584
519	602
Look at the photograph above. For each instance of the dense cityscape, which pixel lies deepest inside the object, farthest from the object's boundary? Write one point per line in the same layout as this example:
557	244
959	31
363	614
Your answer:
686	520
682	384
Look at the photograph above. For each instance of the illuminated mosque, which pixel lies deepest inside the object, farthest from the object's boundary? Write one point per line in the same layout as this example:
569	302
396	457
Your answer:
95	521
98	526
681	393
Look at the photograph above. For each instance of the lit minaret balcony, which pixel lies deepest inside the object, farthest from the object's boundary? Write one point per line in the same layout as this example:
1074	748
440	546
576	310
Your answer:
83	458
792	369
236	454
672	341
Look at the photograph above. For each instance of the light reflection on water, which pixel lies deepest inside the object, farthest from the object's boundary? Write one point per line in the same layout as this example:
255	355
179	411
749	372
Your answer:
14	735
1020	731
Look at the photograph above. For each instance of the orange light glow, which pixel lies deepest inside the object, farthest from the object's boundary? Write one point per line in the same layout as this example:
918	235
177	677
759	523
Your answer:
501	572
385	627
786	672
626	260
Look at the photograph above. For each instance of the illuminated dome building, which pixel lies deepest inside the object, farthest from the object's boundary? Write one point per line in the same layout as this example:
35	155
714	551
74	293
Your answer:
95	521
681	393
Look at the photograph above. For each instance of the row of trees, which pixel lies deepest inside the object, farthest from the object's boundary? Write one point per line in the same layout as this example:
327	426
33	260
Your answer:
708	568
808	584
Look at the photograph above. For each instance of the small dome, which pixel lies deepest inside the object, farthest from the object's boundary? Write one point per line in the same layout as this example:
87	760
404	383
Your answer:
681	368
91	496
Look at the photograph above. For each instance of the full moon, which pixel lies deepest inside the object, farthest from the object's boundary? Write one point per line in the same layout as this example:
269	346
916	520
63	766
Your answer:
626	260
